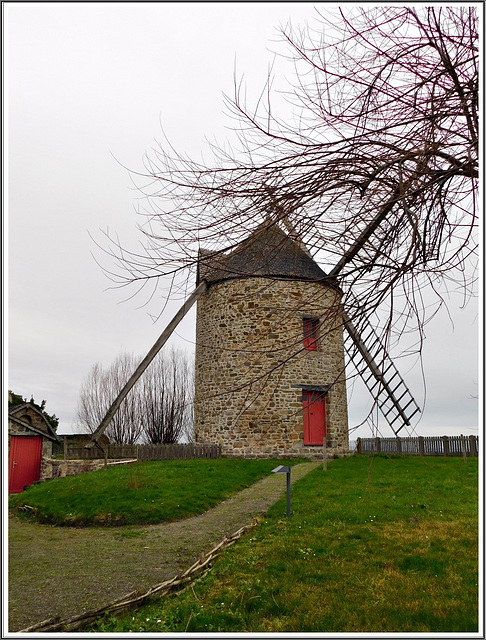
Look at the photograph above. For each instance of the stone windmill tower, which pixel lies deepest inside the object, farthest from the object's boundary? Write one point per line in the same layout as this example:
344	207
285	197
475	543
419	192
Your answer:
269	351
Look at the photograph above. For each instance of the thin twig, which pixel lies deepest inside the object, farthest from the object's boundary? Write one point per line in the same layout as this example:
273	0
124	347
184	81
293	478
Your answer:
188	622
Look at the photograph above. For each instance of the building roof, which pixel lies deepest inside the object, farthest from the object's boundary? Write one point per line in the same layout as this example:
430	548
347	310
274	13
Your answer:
83	437
17	414
267	252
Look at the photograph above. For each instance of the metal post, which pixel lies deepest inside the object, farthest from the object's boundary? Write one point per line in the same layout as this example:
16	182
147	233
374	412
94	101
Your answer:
324	453
288	493
282	469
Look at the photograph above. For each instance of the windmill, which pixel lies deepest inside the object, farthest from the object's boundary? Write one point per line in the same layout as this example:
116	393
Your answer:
362	344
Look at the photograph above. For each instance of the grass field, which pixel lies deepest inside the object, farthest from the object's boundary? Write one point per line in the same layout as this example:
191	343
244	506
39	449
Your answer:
373	545
141	493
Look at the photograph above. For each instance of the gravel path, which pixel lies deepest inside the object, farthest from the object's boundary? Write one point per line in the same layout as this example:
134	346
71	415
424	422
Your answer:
59	571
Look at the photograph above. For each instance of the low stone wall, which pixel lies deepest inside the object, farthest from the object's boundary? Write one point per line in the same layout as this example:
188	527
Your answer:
52	468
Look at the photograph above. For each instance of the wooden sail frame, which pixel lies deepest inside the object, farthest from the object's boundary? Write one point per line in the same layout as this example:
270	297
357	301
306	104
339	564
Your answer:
164	336
376	372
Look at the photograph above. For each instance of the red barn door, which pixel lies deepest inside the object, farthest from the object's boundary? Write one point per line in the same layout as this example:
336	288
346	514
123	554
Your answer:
24	462
314	408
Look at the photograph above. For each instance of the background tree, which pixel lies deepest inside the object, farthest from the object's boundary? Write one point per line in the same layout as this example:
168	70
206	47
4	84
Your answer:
374	168
157	410
97	392
165	397
377	162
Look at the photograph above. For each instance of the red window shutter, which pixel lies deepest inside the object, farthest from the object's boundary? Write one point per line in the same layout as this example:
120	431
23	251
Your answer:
310	327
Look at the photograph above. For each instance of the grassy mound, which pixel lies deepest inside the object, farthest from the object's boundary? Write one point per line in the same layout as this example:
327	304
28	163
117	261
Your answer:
372	545
140	493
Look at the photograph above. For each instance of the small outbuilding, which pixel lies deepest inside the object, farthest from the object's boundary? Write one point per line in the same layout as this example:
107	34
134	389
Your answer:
30	440
77	440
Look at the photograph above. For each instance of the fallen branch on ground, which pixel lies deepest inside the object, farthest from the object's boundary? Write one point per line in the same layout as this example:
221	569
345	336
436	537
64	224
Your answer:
135	599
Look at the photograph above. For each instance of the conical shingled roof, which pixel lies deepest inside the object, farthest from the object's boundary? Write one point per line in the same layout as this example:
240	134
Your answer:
267	252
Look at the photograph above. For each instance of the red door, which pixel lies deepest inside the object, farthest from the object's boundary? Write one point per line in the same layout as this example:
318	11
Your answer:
314	408
24	462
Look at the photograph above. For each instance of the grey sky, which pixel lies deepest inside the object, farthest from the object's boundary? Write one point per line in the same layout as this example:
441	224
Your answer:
88	87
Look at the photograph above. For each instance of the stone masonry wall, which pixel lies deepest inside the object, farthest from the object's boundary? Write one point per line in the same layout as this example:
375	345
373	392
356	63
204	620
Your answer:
53	468
251	366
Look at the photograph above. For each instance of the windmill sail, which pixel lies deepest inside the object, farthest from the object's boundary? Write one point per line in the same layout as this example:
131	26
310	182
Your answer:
367	351
362	344
164	336
372	361
365	347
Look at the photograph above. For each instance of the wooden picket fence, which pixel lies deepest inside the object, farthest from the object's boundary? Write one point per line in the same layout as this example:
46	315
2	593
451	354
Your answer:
143	452
421	446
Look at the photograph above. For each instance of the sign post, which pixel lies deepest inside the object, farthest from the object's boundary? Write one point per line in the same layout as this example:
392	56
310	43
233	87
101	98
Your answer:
282	469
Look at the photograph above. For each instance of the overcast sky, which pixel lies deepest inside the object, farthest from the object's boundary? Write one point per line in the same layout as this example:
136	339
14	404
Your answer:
88	88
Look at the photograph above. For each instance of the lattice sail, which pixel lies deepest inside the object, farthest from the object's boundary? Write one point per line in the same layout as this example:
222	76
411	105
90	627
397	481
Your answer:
373	363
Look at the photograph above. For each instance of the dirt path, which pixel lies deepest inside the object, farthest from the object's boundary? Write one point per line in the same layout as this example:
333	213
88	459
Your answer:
59	571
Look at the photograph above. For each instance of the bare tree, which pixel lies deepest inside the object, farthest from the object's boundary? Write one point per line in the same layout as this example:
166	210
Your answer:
374	170
378	161
166	396
97	391
158	409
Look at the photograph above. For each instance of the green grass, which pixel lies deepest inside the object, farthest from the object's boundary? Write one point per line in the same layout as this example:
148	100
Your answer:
390	547
141	493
